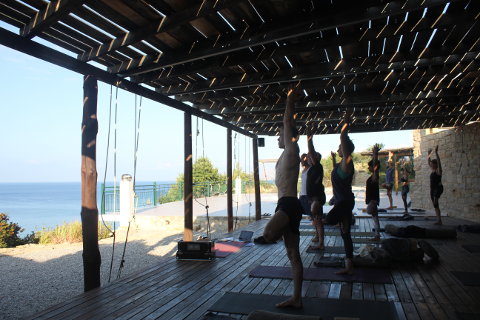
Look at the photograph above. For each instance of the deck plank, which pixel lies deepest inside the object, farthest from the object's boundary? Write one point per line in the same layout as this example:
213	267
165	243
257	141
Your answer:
186	289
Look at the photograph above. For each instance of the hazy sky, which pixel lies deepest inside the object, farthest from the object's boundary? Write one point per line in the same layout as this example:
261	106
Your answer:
41	112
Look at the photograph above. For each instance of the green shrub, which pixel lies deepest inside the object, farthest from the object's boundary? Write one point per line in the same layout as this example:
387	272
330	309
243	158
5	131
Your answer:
9	232
68	232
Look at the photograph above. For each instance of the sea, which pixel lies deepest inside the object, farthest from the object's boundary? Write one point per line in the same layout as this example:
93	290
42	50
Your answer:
34	206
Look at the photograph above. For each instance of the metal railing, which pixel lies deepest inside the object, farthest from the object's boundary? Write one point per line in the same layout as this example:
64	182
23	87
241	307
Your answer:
154	194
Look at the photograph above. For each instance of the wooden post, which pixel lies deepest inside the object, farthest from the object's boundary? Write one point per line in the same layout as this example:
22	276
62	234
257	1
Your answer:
188	179
256	178
229	181
89	213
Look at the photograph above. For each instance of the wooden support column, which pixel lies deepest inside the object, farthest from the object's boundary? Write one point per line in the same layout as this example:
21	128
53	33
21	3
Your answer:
229	181
188	180
89	213
256	179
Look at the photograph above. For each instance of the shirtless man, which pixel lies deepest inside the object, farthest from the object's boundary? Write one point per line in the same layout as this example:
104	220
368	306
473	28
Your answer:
286	220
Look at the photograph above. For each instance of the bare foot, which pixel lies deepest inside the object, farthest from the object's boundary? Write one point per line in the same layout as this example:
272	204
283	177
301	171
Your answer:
319	247
290	303
348	267
345	271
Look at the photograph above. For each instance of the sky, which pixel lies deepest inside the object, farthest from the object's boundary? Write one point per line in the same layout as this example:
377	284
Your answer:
41	114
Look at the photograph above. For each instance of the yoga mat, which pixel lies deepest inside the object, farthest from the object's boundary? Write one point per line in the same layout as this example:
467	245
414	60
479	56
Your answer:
467	278
333	262
472	248
212	316
337	233
223	249
327	274
329	228
327	309
327	250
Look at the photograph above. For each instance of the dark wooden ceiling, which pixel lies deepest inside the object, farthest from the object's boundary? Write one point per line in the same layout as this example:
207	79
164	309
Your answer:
390	64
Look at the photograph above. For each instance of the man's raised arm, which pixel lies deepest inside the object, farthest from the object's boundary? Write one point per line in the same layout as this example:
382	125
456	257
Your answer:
288	119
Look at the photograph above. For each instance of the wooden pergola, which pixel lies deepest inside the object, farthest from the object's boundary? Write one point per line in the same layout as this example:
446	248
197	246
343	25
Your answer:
391	64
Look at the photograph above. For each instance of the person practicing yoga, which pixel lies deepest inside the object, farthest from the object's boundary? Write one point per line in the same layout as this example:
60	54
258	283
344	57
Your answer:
436	187
389	181
372	192
343	198
405	186
303	188
286	220
316	192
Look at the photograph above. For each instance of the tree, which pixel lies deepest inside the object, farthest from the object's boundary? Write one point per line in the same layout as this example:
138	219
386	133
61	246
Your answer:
204	171
238	172
206	180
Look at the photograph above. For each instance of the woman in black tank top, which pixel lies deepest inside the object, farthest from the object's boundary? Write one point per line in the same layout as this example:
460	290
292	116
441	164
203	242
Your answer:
436	187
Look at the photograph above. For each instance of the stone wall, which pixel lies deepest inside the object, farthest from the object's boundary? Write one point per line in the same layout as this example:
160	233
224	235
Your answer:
459	151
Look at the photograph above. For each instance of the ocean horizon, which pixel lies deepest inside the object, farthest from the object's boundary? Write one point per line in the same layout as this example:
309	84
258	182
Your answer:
37	205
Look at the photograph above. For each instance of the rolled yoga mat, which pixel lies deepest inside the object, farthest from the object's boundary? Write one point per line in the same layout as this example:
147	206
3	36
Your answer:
327	309
326	273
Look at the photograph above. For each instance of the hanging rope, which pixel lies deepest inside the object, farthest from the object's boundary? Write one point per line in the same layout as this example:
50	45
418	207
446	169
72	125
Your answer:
237	164
205	193
104	182
137	138
247	195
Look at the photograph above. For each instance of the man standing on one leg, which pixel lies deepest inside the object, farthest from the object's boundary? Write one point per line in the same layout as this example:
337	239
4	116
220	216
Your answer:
389	181
405	187
303	189
344	200
316	192
286	220
372	192
436	186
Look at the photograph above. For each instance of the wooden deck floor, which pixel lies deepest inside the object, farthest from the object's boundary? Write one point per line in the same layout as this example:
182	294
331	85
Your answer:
186	289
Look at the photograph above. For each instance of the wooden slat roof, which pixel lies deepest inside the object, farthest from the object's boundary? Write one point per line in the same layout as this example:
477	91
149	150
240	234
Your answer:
392	65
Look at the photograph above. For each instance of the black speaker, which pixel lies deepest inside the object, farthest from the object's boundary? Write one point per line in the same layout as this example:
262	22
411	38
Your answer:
196	250
261	142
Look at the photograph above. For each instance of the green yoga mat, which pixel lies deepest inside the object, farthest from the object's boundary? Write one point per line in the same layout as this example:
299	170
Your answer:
327	309
337	233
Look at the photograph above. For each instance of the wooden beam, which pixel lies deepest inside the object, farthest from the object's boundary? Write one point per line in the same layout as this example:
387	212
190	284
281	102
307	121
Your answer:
89	214
45	53
256	179
165	24
290	28
51	14
329	102
188	179
311	74
229	181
